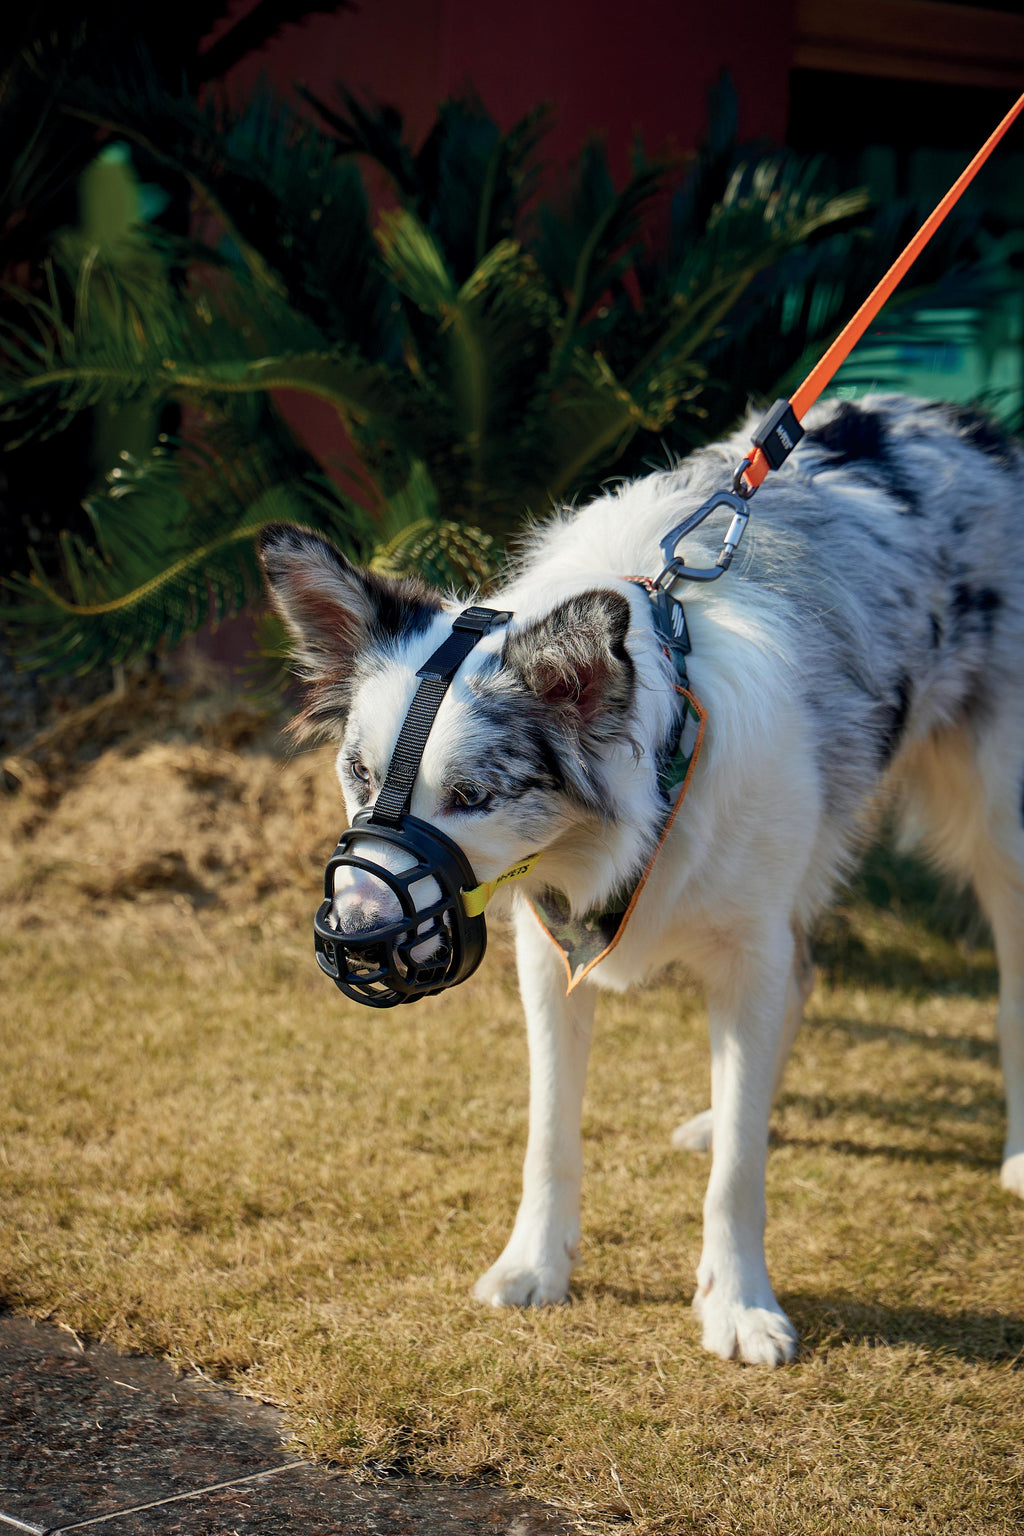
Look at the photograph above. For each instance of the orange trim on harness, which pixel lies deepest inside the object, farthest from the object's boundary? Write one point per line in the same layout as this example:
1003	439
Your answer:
821	374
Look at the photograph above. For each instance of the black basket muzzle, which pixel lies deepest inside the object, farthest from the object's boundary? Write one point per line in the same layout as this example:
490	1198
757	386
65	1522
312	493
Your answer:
432	943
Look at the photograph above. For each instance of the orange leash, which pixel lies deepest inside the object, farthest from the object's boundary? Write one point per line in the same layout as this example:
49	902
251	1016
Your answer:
779	433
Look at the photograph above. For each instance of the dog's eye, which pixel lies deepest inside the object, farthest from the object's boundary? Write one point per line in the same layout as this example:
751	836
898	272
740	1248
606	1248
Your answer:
359	770
471	797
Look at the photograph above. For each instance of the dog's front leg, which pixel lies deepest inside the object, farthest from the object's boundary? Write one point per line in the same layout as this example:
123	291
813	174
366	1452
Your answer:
735	1301
695	1135
535	1266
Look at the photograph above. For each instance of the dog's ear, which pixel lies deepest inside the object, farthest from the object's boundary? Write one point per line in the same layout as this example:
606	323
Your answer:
333	610
317	593
575	659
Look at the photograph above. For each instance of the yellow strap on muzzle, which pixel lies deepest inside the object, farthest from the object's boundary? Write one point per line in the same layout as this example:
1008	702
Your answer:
475	900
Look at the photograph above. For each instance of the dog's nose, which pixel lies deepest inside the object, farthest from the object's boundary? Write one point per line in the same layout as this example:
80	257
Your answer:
355	916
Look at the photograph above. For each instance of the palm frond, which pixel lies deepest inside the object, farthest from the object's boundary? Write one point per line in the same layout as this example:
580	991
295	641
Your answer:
482	363
136	335
474	181
486	346
594	417
584	251
172	550
791	311
416	263
446	554
768	209
468	184
295	208
376	132
254	28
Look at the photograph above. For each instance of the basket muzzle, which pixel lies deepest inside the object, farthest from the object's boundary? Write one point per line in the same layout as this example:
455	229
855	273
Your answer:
429	944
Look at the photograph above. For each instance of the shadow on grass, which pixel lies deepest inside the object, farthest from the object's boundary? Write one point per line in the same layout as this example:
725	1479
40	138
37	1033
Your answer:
902	926
838	1318
961	1157
980	1338
843	959
967	1047
672	1292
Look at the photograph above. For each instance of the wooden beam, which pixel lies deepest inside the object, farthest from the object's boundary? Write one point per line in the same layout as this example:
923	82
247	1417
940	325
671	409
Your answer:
912	40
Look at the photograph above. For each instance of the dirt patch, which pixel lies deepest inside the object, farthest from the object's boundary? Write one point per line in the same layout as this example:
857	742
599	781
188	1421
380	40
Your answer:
154	793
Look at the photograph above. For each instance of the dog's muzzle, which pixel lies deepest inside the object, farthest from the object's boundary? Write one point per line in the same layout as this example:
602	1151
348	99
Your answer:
409	922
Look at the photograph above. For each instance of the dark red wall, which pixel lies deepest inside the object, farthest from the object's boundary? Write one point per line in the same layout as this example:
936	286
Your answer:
605	66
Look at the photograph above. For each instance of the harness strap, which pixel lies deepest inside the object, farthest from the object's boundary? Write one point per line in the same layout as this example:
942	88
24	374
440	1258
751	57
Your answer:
435	677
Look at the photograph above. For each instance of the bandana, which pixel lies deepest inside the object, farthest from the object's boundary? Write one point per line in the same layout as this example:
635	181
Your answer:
585	941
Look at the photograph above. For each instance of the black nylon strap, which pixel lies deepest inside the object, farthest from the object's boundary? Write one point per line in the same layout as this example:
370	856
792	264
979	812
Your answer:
396	791
436	675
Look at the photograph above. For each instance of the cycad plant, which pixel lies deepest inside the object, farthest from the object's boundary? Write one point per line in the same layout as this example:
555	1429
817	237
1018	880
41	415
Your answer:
487	353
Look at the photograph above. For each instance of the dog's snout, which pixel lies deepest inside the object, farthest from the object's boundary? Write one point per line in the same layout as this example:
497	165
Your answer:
362	902
350	915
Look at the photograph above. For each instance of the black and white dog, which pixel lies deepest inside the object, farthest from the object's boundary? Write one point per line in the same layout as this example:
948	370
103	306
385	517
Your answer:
867	645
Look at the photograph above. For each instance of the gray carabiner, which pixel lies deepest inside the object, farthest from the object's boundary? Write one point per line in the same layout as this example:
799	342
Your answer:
676	569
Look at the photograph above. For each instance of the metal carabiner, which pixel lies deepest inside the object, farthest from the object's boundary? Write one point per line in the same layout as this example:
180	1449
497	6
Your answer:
675	568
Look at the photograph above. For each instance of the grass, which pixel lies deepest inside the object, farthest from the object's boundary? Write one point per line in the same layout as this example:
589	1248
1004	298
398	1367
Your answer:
206	1153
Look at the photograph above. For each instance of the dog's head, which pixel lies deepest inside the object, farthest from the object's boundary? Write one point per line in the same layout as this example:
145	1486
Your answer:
518	758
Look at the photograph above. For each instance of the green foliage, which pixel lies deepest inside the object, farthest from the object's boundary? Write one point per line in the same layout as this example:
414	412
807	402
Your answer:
486	356
50	169
172	550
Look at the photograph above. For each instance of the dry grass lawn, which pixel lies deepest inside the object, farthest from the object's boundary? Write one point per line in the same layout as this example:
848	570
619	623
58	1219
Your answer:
206	1153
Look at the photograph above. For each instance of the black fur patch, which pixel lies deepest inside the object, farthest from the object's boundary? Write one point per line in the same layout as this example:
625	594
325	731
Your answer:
896	722
402	606
975	609
979	430
859	438
851	435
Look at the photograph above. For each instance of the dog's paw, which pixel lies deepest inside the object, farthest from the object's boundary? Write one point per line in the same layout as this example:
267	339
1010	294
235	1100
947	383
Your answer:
756	1335
508	1284
694	1135
1011	1175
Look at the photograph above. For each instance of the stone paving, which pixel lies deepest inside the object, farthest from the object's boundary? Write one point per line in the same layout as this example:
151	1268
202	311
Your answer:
123	1445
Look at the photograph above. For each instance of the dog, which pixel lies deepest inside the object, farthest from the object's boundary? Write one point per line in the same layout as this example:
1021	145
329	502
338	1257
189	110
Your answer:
864	650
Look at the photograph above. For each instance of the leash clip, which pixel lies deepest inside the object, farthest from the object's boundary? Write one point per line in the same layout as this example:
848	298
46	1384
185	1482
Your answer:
675	568
740	487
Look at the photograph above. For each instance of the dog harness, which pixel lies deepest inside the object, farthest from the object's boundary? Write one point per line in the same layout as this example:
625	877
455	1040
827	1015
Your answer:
583	942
